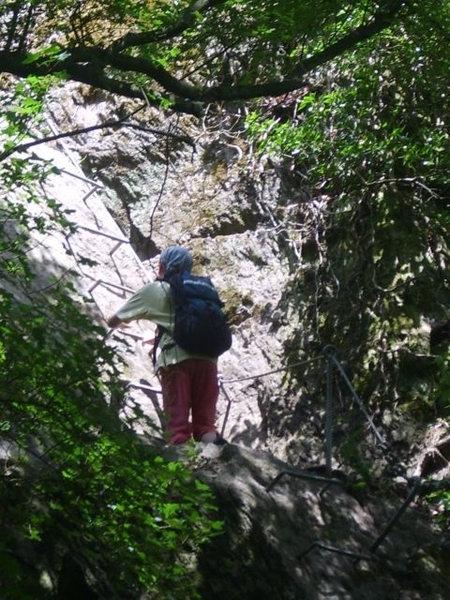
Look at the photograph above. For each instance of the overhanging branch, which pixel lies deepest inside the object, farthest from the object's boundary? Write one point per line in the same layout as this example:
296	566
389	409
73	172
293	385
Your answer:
132	40
95	66
108	125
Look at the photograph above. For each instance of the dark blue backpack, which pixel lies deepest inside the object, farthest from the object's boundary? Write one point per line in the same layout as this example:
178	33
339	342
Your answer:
200	325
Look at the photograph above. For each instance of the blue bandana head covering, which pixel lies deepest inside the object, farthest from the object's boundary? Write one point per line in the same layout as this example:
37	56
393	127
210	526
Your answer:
175	259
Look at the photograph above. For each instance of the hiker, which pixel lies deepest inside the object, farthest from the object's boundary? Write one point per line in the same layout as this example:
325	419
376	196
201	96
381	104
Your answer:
188	380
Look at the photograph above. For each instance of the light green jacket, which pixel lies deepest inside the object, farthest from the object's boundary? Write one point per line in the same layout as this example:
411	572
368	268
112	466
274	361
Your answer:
153	303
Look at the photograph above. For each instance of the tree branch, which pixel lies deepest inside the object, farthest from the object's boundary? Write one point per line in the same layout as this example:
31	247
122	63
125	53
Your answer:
381	20
109	124
89	64
91	72
148	37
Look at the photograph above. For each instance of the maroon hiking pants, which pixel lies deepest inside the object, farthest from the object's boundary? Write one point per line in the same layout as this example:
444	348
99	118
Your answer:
189	388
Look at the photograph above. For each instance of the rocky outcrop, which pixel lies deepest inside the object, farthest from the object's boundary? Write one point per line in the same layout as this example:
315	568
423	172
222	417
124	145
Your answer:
293	534
146	185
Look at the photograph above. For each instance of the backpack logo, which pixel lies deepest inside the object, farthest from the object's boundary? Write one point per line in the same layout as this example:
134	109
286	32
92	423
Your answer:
200	325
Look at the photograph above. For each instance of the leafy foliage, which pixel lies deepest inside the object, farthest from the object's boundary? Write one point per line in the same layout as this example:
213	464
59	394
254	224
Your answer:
75	480
173	53
368	145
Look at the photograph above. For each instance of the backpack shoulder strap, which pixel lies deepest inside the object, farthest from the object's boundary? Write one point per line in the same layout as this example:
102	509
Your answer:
160	330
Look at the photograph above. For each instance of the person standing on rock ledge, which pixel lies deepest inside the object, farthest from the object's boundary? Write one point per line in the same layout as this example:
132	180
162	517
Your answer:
189	382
